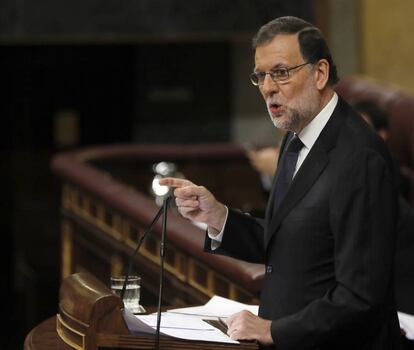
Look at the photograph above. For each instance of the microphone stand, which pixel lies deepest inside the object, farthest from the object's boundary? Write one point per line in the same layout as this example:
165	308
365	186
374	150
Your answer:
162	255
143	237
162	210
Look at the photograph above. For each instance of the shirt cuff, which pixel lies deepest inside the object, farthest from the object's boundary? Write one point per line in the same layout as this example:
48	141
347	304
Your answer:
215	236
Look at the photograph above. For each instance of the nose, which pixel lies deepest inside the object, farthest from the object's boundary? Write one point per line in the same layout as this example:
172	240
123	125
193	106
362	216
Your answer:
269	87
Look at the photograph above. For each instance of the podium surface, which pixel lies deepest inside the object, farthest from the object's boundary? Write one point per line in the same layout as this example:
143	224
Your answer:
90	317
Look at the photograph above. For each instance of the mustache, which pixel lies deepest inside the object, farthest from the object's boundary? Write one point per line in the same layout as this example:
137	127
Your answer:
271	102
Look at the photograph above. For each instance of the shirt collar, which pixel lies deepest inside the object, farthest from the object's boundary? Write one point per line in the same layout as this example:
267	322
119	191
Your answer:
310	132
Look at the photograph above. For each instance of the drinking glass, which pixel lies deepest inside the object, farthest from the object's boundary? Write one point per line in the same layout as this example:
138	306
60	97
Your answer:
132	293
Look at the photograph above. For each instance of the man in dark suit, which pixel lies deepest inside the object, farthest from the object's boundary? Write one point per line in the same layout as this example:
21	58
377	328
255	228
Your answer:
328	236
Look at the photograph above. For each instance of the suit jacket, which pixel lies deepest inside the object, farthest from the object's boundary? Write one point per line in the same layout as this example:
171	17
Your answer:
404	259
329	247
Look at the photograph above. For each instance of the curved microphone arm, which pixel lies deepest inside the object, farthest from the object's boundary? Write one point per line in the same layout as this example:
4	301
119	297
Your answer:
142	239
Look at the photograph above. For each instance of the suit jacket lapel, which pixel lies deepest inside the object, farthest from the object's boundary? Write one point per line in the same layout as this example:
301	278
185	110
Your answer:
315	162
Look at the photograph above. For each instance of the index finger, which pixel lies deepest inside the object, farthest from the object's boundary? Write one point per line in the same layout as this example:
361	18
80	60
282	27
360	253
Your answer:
175	182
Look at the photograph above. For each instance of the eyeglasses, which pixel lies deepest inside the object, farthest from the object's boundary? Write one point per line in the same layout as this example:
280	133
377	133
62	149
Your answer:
278	75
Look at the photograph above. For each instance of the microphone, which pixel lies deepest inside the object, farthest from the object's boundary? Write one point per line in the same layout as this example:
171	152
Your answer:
162	210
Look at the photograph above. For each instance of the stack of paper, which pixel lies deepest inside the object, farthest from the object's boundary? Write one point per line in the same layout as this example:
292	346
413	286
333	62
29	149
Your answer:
186	327
407	324
218	307
188	323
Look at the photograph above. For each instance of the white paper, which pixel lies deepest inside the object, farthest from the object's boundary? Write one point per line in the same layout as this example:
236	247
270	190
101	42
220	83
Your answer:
218	306
407	324
176	321
188	327
187	323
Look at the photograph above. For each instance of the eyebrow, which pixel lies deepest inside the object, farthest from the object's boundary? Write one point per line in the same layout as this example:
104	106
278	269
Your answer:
277	66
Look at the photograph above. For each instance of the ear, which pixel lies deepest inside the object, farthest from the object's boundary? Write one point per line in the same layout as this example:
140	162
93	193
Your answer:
321	73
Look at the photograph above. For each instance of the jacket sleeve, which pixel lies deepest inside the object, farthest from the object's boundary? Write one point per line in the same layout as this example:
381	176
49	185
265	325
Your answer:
242	238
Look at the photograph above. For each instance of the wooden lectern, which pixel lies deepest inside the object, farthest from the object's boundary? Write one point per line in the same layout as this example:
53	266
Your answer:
91	316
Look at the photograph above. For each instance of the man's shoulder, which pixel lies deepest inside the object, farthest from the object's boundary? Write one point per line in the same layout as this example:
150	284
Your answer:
356	135
356	140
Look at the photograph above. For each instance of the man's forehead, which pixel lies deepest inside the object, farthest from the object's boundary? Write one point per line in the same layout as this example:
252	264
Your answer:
281	50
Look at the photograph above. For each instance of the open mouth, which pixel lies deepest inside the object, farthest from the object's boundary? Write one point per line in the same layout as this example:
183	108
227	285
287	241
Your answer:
275	108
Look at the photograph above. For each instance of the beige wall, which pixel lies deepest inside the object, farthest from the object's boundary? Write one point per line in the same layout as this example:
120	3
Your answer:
387	41
342	36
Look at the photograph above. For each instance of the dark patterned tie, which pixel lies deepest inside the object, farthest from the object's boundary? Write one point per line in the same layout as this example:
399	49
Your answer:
286	169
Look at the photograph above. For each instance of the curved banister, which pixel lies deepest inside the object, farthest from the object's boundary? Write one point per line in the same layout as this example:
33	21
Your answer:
77	167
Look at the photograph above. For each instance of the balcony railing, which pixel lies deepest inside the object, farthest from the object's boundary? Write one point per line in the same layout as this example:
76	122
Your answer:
106	206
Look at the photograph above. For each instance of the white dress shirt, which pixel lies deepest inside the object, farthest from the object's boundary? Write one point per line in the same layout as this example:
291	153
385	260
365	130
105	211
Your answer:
310	132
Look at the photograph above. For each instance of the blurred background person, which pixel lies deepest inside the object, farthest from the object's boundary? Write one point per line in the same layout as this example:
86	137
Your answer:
264	161
404	257
378	119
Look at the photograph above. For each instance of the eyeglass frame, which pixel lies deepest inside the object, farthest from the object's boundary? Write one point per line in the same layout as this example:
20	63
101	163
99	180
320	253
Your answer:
273	74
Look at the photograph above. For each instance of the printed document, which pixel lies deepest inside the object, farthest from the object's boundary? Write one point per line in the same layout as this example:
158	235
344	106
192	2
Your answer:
407	324
188	323
218	307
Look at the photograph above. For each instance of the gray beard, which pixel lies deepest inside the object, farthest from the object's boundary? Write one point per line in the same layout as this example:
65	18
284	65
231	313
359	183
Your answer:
291	124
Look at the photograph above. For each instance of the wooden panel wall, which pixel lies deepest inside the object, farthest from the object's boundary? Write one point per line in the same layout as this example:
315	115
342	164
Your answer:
386	43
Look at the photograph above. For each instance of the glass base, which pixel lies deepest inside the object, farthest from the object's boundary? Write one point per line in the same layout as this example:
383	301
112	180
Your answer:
138	310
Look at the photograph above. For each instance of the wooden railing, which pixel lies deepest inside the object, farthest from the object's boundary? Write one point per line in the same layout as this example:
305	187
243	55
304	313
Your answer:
106	206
